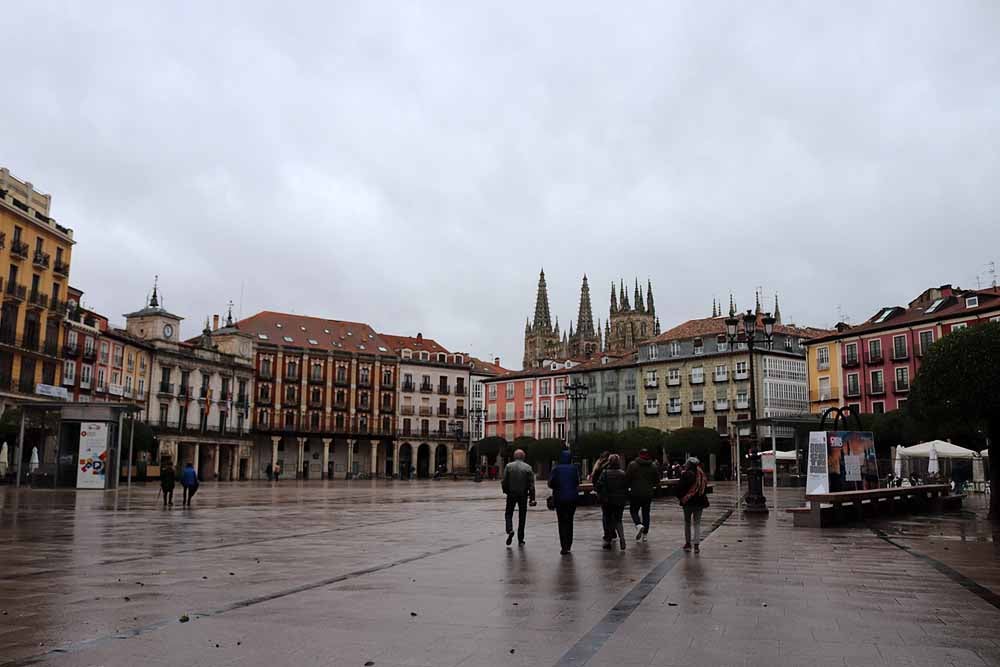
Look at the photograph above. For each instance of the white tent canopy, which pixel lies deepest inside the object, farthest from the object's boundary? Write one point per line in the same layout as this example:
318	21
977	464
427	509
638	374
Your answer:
782	456
945	450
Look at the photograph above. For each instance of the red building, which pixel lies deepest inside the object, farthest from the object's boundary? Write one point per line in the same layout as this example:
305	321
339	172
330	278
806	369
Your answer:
530	403
880	358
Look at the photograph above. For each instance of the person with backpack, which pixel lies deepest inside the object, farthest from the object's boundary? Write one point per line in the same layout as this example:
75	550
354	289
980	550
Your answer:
612	489
643	478
691	493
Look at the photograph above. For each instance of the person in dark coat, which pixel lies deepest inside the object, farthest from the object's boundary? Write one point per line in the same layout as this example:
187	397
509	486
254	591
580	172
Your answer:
565	484
643	477
612	489
189	480
691	493
168	477
518	484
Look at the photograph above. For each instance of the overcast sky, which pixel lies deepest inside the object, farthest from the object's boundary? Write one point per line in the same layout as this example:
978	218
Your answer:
414	165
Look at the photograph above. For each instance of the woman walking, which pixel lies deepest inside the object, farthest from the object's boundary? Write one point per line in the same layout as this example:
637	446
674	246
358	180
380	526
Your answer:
168	477
599	465
613	492
691	492
565	484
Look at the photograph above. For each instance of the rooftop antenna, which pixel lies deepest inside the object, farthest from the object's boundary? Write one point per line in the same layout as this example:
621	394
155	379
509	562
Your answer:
240	313
993	274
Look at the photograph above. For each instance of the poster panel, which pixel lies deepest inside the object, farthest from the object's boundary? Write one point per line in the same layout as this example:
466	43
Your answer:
852	460
817	477
93	463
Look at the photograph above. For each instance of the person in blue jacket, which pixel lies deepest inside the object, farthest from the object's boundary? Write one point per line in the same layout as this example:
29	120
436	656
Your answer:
189	480
565	484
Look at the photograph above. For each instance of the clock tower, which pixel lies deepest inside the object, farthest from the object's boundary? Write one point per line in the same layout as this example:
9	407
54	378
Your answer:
154	323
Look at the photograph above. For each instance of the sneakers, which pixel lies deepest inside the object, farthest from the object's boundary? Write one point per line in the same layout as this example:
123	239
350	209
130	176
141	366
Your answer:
638	532
697	549
510	537
520	543
606	544
687	546
564	552
645	536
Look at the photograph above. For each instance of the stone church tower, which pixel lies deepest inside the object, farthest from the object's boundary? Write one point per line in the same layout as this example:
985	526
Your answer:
541	339
585	341
630	323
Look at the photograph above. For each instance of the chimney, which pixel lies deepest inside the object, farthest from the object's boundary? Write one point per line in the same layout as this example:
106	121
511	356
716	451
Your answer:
420	336
215	322
496	360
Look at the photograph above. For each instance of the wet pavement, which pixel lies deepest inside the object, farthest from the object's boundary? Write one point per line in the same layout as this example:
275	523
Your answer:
416	573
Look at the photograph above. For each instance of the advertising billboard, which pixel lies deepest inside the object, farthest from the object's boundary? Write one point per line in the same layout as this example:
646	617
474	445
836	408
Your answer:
93	461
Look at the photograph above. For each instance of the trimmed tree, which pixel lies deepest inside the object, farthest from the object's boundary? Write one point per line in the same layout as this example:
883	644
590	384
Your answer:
593	443
491	447
631	441
695	441
959	381
544	451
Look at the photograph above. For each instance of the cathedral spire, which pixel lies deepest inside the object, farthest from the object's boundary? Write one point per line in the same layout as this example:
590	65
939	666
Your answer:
614	299
154	301
713	307
600	344
732	306
777	310
638	298
625	305
229	315
556	330
585	316
649	297
656	327
757	309
543	321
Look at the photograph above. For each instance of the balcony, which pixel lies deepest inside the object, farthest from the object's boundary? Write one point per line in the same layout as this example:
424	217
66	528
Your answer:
426	411
651	383
202	392
741	375
30	343
316	402
426	389
89	353
265	373
850	361
409	387
674	409
823	395
41	259
292	376
674	381
876	388
341	380
444	389
57	307
461	390
166	389
823	365
902	387
101	388
875	358
15	292
365	407
900	355
263	399
459	412
51	348
852	391
364	383
184	391
316	379
19	249
722	405
38	300
242	402
697	379
742	403
443	411
697	406
718	379
60	267
652	409
70	350
407	410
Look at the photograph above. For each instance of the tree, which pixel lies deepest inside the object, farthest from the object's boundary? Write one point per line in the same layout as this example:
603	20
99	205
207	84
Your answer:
631	441
960	382
695	441
590	445
492	446
144	441
544	451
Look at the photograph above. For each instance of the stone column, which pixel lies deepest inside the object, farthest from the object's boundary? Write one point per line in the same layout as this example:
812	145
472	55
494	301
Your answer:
301	457
326	457
218	455
395	457
373	464
275	441
197	461
350	456
234	464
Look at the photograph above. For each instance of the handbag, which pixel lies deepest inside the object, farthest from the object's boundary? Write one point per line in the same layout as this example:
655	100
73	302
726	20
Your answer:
550	503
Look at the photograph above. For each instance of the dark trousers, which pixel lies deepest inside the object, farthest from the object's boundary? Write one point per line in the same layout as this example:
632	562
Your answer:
521	502
564	513
189	492
638	506
611	516
168	497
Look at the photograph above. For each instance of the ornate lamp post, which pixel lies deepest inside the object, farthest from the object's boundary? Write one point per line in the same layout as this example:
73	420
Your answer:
577	392
754	499
476	415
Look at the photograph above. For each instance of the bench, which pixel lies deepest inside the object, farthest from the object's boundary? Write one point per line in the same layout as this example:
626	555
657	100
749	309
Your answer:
825	509
666	488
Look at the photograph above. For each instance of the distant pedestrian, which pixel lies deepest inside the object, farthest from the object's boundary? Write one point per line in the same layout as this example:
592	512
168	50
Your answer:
612	489
276	471
518	483
189	480
168	477
691	492
565	484
599	465
270	472
643	477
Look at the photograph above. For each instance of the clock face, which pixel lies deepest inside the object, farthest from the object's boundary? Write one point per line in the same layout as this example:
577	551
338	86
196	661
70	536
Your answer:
168	330
245	349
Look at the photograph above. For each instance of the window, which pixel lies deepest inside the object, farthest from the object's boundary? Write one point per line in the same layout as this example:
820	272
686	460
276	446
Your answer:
104	353
102	378
884	316
69	371
934	306
926	339
699	347
697	375
543	387
742	370
529	430
561	429
822	358
721	372
491	412
529	410
674	406
874	351
651	378
386	377
509	412
902	379
899	347
959	326
528	388
560	385
509	391
131	361
721	345
546	430
851	353
971	302
86	373
674	349
364	375
492	392
560	408
674	376
878	382
824	389
878	407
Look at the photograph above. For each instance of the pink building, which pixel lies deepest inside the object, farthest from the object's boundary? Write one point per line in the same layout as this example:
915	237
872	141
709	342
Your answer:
530	403
880	358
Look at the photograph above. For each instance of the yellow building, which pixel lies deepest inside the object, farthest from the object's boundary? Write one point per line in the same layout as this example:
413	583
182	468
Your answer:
37	252
823	367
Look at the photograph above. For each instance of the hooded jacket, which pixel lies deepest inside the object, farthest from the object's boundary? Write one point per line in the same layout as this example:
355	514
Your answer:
643	479
189	477
612	487
565	479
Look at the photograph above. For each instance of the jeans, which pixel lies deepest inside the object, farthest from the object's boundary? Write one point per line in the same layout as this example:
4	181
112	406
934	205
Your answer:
521	502
637	505
692	515
564	513
612	519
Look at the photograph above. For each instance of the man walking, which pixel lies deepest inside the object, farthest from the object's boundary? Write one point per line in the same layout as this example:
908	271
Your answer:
643	478
189	480
691	492
518	483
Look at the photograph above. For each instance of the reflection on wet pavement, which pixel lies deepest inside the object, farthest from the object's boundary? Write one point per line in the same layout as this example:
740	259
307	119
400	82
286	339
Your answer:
417	573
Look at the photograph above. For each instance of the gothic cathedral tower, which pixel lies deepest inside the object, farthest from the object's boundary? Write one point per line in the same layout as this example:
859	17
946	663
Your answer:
585	341
541	339
630	324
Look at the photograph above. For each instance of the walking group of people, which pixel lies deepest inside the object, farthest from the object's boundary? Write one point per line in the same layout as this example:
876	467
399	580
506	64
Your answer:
616	486
188	480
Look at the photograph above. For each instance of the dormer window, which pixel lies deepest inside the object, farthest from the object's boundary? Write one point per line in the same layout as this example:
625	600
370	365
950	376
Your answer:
971	302
442	358
884	316
287	339
407	354
326	331
279	325
425	356
302	327
262	336
313	341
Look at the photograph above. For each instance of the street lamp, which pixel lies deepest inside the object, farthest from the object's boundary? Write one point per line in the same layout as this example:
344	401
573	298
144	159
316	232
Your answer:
476	415
577	391
754	499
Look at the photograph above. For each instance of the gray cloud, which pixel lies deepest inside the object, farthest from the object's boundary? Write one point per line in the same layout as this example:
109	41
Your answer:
413	166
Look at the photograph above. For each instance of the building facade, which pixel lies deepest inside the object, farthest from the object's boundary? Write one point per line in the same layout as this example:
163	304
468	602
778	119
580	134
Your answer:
199	407
874	363
530	403
37	251
479	372
433	407
690	376
612	403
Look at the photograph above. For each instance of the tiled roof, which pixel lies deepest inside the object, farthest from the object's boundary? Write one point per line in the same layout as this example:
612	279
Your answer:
415	343
714	326
486	368
530	373
920	311
286	329
614	361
